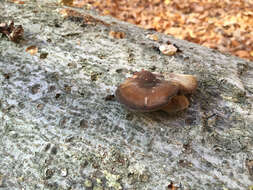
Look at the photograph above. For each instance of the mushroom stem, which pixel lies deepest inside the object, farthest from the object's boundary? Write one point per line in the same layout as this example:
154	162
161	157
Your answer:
187	83
177	103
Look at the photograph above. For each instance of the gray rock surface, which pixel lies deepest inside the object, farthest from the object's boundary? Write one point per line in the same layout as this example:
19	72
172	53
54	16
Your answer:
58	132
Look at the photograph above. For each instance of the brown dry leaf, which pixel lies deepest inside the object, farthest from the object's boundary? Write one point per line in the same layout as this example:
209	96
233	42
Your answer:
18	2
66	2
117	35
32	50
216	24
171	186
242	53
14	33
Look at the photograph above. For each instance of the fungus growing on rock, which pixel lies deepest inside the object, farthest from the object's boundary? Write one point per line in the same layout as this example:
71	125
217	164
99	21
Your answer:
146	92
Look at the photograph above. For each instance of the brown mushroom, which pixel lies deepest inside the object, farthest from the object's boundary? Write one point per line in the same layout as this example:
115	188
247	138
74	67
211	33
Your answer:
146	92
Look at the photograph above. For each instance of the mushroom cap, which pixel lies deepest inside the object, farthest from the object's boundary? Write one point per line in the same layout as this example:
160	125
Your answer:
187	83
146	92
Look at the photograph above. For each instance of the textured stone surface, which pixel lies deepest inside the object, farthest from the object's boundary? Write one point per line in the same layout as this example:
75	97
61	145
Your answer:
58	132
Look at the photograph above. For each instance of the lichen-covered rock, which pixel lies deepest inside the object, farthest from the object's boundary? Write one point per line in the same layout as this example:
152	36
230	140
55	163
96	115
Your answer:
57	130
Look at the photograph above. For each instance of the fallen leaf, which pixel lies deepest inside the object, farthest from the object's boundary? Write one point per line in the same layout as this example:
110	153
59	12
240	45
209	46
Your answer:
14	33
117	35
32	50
18	2
66	2
206	22
242	53
171	186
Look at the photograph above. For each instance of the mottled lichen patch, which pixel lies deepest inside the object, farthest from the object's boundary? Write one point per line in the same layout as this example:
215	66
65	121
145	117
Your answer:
58	131
112	180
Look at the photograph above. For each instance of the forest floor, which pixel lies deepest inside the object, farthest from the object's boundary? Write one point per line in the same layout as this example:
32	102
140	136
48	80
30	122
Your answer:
223	25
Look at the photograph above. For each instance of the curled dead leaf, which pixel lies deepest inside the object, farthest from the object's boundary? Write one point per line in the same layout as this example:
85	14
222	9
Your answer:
117	35
66	2
171	186
32	50
18	2
14	33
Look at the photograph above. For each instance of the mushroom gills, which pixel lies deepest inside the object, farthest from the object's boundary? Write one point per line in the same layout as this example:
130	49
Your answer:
177	103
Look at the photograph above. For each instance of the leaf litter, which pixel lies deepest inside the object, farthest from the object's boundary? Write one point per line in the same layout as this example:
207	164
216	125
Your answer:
223	25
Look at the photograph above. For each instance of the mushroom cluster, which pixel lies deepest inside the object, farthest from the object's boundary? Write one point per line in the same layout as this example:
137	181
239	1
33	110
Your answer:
146	92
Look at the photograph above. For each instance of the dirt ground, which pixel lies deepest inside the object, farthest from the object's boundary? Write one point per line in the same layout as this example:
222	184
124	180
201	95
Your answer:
223	25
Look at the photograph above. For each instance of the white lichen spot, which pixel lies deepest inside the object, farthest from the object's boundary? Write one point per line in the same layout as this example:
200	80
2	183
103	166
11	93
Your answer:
88	183
153	37
112	180
139	171
137	168
168	49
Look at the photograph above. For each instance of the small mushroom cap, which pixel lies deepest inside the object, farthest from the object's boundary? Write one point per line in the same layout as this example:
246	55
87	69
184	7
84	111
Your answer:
177	103
187	83
146	92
